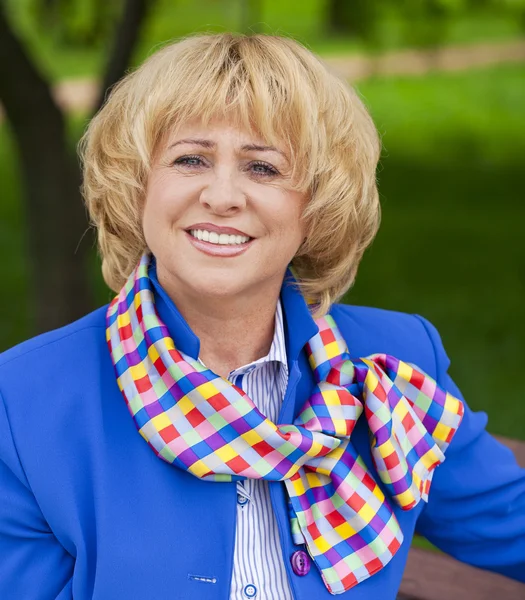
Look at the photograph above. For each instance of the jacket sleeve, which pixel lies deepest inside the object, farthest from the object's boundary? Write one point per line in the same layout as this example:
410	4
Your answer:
476	507
33	564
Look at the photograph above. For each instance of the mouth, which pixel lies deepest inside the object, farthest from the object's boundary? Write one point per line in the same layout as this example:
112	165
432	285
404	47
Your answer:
218	241
213	234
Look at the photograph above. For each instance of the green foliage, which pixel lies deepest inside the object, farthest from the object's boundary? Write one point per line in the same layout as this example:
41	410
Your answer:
419	22
507	4
69	38
85	22
70	23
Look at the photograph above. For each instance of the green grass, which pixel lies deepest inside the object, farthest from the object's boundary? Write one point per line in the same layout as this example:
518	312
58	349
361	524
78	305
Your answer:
451	244
423	544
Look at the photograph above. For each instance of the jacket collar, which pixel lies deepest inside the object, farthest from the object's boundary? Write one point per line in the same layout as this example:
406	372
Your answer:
298	324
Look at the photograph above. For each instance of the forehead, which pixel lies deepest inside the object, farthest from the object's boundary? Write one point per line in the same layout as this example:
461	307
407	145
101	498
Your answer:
219	130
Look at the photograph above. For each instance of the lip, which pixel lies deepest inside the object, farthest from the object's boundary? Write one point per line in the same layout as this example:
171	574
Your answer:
217	229
219	250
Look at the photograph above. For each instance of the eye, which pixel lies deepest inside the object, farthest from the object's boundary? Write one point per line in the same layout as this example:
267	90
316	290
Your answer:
261	169
191	160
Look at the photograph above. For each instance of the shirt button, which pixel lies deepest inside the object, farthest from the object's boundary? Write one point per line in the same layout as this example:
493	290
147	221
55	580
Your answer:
250	591
300	563
242	501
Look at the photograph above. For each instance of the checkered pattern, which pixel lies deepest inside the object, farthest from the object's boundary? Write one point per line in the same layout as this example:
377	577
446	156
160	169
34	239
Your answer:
203	424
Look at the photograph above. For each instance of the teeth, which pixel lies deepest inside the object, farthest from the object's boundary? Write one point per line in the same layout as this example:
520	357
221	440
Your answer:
223	239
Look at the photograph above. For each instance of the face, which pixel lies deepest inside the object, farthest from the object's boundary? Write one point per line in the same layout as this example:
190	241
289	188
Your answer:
220	215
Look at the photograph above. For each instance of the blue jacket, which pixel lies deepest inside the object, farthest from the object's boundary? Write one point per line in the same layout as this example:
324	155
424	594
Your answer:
87	511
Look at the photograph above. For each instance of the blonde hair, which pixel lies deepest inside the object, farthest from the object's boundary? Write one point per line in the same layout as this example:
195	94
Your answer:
269	83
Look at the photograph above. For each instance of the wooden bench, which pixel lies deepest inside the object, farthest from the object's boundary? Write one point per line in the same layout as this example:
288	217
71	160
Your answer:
436	576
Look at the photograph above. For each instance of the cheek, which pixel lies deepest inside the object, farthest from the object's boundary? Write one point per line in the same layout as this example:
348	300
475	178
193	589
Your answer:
288	220
165	199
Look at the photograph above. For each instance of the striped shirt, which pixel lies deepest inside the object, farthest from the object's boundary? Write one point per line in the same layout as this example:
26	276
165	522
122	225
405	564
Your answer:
258	567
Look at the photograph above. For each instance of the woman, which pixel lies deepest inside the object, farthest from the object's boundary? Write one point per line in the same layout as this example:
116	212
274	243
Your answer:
294	445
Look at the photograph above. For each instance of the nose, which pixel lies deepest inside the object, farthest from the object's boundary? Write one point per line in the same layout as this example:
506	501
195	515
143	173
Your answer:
223	195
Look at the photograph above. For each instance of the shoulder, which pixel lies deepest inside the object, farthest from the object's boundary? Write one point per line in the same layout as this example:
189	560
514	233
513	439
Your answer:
50	386
51	379
53	347
409	337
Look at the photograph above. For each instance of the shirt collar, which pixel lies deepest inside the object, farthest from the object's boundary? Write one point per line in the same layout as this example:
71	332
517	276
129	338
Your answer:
278	348
297	323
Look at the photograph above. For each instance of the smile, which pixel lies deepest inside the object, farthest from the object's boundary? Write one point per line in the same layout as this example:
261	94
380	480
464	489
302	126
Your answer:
222	245
222	239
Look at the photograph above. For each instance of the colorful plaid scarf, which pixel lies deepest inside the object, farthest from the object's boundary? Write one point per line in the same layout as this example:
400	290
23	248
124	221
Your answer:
200	422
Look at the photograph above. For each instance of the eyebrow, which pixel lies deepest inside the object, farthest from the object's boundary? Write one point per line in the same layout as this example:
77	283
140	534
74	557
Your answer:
209	144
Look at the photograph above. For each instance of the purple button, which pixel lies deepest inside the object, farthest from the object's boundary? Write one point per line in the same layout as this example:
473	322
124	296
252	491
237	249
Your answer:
300	563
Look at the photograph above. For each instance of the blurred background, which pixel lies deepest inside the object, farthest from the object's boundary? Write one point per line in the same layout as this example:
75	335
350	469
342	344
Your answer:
445	83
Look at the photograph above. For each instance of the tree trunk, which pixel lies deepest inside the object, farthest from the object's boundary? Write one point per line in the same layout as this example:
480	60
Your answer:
338	16
56	220
355	18
124	43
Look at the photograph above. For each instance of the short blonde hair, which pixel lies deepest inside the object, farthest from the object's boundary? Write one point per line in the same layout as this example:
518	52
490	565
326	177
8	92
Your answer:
271	84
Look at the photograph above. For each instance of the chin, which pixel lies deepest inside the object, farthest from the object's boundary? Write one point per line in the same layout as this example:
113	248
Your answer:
219	283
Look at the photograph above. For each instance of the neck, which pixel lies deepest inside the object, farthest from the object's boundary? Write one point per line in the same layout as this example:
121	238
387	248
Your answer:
232	331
